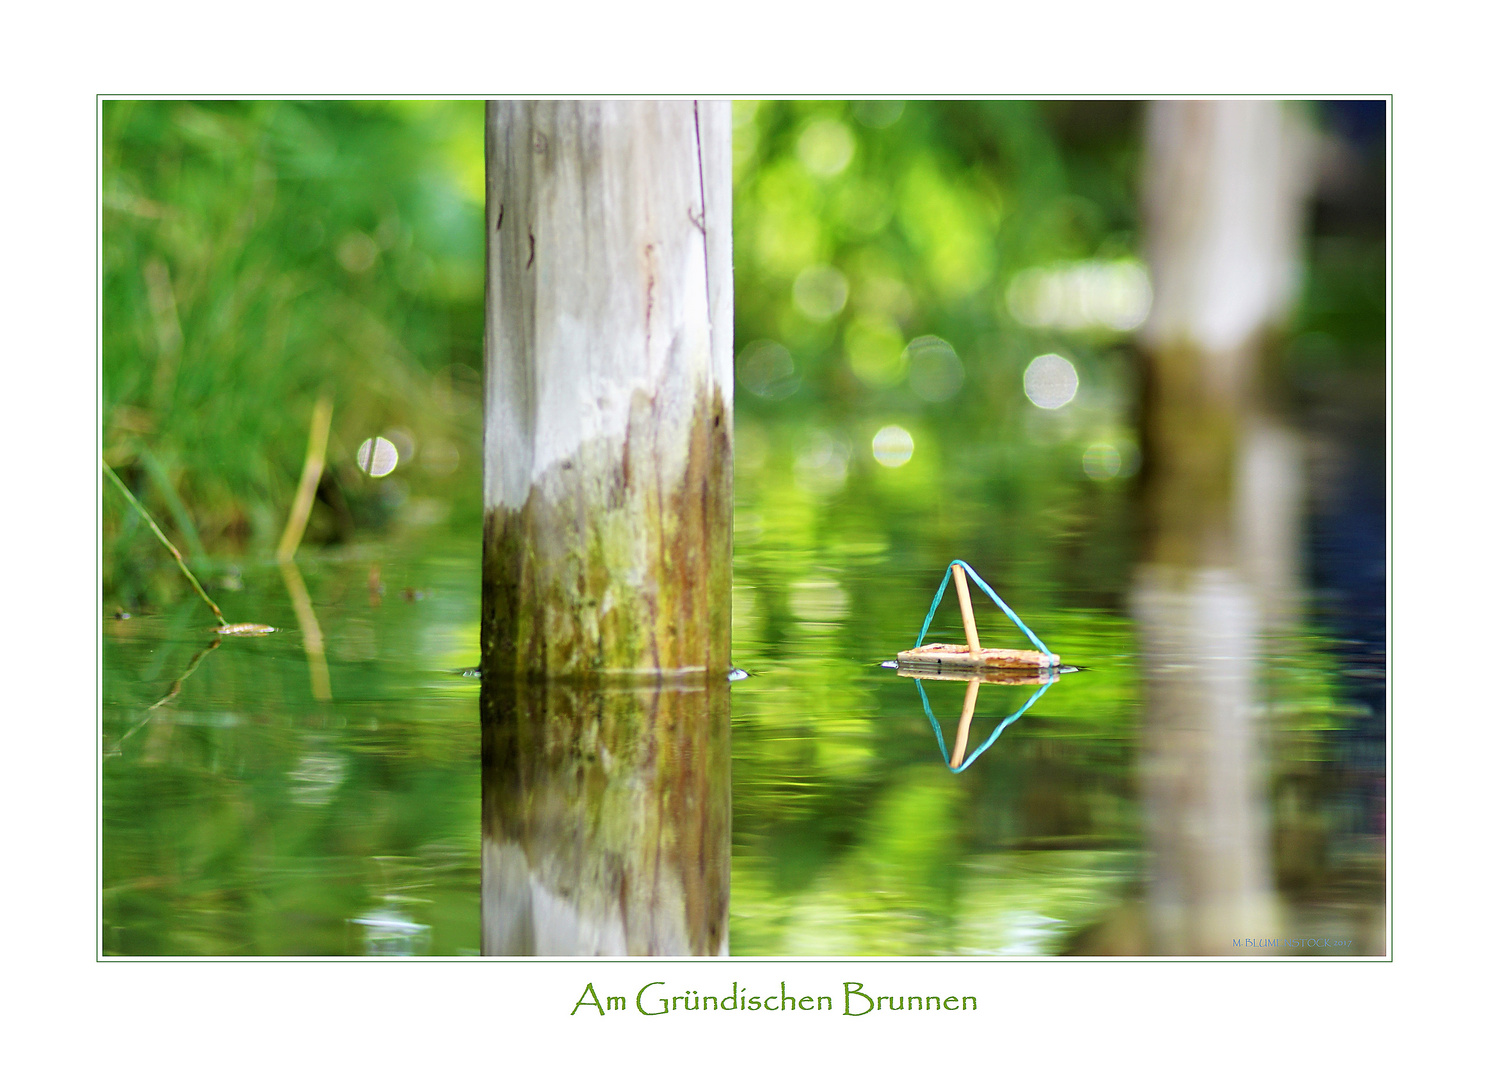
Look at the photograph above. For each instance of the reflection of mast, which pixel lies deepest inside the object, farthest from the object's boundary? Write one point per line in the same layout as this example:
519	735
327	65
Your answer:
606	814
963	733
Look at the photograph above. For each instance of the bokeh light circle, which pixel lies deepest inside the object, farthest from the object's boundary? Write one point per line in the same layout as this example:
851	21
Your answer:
935	372
825	147
1101	461
893	446
1050	381
377	457
766	368
820	292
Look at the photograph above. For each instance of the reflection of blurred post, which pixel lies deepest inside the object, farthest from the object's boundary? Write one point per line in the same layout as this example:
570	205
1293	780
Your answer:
607	825
1225	190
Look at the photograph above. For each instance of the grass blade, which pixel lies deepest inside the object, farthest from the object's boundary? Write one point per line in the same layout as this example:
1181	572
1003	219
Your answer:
129	495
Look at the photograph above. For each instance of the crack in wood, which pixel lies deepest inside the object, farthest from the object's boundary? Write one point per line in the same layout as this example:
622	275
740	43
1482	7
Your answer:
650	289
702	197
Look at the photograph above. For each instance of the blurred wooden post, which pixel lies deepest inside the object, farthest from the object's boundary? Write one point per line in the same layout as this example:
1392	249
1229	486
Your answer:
609	388
1225	190
1225	193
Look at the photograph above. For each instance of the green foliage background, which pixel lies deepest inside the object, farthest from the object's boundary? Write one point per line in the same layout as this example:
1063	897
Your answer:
255	255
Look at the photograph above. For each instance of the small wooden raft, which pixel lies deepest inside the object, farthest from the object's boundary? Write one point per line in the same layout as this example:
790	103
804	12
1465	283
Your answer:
959	657
971	656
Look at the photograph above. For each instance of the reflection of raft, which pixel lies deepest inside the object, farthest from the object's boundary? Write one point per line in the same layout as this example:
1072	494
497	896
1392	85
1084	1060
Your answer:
971	657
997	676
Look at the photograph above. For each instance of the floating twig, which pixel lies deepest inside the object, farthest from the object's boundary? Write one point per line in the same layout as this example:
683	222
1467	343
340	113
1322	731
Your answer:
245	629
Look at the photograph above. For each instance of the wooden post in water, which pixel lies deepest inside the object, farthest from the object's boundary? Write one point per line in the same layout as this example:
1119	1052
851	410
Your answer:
608	527
609	388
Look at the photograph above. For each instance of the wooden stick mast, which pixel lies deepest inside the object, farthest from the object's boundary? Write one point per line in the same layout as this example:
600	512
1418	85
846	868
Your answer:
966	615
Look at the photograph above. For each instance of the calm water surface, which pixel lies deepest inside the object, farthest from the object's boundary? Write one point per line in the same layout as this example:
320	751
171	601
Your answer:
1215	770
246	815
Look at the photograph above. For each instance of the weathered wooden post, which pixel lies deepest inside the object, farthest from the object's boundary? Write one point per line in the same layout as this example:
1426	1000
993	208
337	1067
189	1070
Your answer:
609	388
608	527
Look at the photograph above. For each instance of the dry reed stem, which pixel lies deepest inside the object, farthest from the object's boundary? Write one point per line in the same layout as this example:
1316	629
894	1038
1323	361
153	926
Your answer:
309	480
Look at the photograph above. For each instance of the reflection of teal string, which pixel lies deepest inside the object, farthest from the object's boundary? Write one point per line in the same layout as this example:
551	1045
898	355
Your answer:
1028	704
989	592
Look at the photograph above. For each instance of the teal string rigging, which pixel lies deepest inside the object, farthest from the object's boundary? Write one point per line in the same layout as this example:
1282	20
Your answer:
987	589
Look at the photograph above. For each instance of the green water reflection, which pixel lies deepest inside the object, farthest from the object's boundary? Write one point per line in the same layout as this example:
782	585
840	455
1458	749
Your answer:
247	815
261	799
851	835
243	814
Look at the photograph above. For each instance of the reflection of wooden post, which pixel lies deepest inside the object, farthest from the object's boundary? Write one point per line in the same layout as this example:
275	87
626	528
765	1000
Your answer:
967	710
609	387
606	818
966	615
